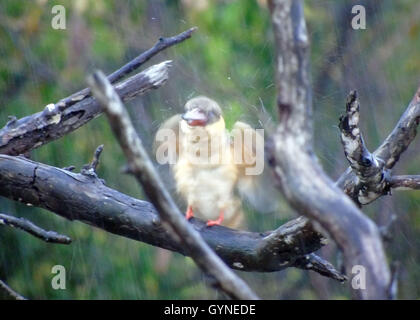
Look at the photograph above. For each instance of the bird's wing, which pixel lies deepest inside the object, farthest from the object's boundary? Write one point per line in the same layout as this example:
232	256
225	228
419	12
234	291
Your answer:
167	137
258	188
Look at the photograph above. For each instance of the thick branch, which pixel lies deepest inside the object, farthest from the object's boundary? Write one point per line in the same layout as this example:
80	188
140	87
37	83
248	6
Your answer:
29	227
142	168
85	198
307	188
372	176
20	136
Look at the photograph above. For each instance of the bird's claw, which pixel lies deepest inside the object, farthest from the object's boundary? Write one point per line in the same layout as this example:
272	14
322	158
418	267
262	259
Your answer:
216	222
189	214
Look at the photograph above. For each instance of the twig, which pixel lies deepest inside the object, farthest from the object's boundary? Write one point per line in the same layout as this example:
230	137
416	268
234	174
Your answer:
160	45
28	226
10	292
142	168
91	167
405	182
65	193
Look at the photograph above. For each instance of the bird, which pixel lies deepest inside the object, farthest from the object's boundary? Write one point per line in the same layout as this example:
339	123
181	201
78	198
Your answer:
211	163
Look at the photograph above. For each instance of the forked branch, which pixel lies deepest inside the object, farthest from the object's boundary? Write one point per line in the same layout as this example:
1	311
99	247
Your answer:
142	168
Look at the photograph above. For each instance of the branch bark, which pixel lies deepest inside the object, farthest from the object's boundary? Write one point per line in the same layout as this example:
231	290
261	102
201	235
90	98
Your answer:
372	176
25	134
31	228
86	198
303	182
405	182
388	152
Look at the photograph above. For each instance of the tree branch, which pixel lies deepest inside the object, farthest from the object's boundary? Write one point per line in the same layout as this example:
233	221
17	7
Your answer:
405	182
10	292
316	263
29	227
390	150
303	182
160	45
52	123
372	176
142	168
85	198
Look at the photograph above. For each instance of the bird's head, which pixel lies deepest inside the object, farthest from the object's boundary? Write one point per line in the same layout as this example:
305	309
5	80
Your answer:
201	111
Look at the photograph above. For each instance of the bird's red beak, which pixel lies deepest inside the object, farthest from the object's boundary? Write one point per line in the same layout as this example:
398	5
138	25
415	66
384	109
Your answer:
195	117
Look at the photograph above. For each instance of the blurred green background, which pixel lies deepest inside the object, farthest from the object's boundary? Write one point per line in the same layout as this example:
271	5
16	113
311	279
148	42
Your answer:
231	59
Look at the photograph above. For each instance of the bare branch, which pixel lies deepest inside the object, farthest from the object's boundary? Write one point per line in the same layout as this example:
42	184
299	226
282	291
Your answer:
370	170
10	292
307	188
91	167
53	123
403	134
29	227
319	265
405	182
160	45
142	168
391	149
85	198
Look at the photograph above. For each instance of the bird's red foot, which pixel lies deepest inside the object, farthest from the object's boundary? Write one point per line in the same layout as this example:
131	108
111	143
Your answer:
189	214
216	222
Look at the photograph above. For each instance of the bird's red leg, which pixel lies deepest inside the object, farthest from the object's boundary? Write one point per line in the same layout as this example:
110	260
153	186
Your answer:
216	222
189	214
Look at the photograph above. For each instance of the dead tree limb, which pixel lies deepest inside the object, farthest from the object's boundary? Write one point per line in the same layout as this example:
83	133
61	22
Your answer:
372	176
387	154
323	267
303	182
57	120
142	168
25	134
86	198
31	228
